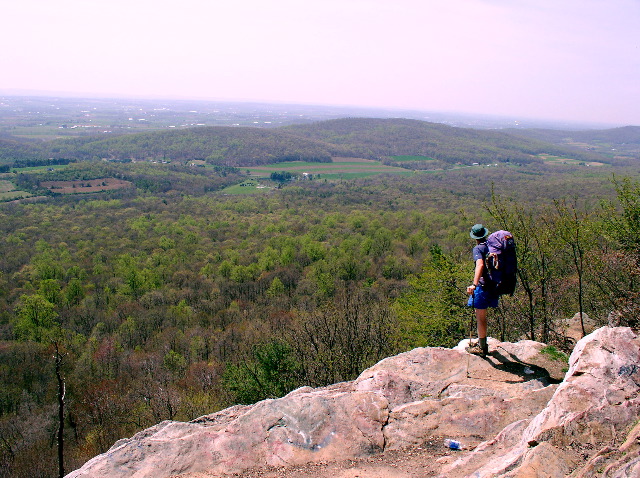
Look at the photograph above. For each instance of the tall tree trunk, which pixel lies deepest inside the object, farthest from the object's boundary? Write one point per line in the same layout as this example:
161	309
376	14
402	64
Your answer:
61	395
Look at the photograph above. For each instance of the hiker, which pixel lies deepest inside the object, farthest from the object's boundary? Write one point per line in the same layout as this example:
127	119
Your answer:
479	297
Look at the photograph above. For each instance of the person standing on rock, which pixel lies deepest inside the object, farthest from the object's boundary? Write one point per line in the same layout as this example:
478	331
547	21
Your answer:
479	297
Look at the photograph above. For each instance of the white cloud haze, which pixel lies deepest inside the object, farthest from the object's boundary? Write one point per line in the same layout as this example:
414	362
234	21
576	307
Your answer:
569	60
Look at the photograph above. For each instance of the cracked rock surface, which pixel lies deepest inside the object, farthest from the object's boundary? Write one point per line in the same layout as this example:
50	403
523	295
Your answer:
509	410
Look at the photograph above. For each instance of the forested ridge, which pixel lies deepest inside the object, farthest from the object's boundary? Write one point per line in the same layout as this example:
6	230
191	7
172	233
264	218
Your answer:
170	299
383	138
619	145
13	149
624	134
379	139
218	145
227	146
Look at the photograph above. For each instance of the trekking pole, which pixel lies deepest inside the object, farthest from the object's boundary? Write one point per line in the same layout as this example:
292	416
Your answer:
473	315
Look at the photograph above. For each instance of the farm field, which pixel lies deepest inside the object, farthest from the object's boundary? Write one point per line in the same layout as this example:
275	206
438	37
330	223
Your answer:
85	186
30	169
6	186
551	159
8	191
405	158
339	168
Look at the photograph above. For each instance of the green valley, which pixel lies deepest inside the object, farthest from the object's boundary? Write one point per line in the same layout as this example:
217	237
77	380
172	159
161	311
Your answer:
165	275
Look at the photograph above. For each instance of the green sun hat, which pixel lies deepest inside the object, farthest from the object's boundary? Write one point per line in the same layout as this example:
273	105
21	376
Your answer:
478	231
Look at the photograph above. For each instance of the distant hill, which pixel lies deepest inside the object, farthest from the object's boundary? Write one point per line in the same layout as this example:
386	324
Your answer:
625	134
229	146
380	138
619	145
12	149
388	140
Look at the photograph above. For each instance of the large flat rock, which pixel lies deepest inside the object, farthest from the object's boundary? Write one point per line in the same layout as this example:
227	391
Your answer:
507	406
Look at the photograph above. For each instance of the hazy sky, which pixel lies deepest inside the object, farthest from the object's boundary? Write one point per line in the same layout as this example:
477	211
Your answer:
548	59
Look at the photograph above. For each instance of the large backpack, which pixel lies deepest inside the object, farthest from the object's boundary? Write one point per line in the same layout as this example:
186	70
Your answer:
501	262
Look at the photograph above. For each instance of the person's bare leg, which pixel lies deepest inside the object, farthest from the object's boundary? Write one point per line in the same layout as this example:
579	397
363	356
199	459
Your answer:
481	319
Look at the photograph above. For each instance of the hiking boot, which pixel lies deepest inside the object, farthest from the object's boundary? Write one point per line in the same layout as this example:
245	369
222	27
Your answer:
475	349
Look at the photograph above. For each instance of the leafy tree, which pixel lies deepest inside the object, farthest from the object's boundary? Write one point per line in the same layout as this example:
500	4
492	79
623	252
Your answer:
575	229
432	311
50	290
74	292
276	288
623	217
535	267
270	371
620	278
338	339
35	318
282	176
174	363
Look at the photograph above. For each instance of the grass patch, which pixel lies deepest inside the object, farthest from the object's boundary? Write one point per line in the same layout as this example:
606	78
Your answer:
405	158
8	191
554	354
10	196
6	186
362	174
38	168
339	168
290	165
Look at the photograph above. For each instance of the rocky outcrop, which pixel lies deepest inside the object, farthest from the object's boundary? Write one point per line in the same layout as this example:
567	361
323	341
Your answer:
519	420
589	415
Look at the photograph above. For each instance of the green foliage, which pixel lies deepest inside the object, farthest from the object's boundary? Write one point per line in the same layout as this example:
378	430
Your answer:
74	292
270	372
50	290
620	282
412	141
375	138
157	294
174	363
35	318
624	227
432	311
276	288
554	354
282	176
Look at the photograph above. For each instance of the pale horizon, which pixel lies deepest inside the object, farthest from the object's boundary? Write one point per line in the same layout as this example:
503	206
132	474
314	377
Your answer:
575	61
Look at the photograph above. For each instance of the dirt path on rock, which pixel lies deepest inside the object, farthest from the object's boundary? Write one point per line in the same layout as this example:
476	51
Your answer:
418	462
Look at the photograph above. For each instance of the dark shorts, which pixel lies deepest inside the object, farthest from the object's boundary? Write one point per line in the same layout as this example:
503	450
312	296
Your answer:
481	299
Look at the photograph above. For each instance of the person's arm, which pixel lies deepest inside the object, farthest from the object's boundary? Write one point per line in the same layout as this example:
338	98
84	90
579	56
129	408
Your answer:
477	274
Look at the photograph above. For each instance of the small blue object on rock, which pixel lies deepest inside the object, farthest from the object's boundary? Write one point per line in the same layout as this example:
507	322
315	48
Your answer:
453	444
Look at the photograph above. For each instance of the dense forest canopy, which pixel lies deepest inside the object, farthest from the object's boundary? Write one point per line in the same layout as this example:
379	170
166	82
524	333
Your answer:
218	145
378	138
171	298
